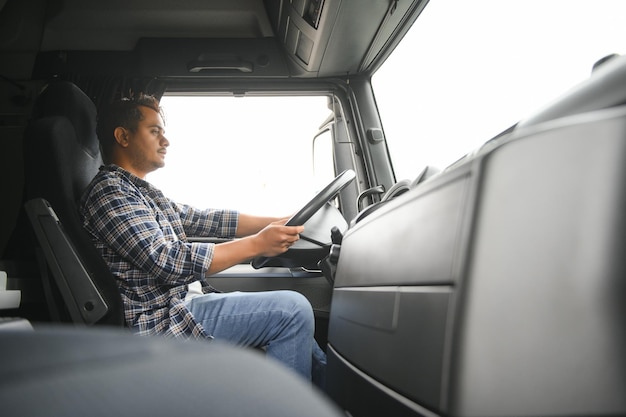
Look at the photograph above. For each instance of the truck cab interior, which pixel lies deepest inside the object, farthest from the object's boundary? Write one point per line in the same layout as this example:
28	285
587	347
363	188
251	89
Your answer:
490	286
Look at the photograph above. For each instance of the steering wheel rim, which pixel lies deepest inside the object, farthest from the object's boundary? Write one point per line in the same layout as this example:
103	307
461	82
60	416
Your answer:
314	205
321	198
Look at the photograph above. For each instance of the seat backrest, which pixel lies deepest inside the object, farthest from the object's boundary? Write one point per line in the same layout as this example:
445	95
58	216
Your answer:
61	146
62	155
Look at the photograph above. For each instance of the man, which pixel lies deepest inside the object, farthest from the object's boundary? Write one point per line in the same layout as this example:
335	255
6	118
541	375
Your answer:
142	235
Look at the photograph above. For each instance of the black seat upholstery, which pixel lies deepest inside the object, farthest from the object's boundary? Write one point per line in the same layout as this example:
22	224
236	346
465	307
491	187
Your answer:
81	296
71	372
62	156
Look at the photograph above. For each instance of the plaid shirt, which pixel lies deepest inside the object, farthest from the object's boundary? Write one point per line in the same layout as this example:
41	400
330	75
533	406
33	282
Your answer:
142	235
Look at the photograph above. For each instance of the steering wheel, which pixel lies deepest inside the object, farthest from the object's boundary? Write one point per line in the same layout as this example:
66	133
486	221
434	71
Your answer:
312	207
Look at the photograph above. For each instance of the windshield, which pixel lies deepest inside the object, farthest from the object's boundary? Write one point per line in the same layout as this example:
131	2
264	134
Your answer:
468	70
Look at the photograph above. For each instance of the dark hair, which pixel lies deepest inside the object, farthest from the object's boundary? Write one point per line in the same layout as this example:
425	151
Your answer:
122	113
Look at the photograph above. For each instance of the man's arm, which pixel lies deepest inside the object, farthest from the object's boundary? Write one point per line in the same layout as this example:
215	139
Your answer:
271	240
249	225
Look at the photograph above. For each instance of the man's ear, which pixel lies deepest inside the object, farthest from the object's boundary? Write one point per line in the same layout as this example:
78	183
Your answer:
121	136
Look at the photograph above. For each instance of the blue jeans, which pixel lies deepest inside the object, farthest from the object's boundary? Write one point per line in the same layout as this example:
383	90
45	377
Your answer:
280	321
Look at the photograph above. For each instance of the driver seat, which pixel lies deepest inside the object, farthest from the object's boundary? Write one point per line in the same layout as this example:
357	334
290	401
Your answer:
62	155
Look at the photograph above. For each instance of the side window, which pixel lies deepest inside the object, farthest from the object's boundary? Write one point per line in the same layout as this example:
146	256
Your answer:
323	167
252	154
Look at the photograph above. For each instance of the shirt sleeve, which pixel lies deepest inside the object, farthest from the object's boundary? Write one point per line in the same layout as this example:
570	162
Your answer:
209	222
124	221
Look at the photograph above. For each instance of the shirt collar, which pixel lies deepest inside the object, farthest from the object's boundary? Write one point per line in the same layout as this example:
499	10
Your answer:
128	175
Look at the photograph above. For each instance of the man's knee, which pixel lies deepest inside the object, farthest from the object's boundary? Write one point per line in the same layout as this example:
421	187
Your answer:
298	304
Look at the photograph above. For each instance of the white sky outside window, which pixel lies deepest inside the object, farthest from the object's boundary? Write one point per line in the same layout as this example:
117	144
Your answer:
252	154
468	70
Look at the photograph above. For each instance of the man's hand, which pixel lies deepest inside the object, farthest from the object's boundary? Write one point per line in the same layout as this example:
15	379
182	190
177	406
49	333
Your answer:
276	238
272	240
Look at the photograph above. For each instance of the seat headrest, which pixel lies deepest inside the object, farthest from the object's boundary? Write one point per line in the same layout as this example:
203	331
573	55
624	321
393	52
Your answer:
65	99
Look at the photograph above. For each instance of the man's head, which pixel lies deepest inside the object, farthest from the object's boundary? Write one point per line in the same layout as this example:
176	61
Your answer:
131	134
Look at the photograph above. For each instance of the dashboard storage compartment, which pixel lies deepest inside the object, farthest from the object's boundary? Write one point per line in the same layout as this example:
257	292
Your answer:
496	288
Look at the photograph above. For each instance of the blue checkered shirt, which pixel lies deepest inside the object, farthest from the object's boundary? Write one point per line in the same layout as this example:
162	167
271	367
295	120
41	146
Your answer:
142	235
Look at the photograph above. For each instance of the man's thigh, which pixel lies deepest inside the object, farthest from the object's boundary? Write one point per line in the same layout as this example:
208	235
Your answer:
248	318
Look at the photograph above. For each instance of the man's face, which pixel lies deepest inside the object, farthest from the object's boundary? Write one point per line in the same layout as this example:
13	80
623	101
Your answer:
147	145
